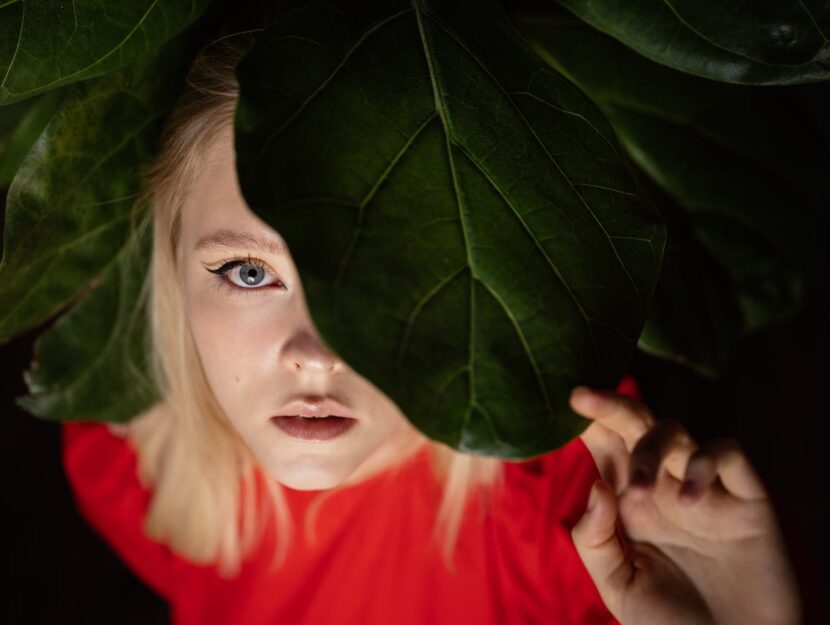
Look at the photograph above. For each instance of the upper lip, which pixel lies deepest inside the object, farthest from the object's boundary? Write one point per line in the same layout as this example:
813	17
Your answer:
314	407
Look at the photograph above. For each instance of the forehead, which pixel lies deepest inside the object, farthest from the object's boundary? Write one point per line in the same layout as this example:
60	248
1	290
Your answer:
214	209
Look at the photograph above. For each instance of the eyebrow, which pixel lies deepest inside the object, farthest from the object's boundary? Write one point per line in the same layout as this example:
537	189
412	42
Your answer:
238	240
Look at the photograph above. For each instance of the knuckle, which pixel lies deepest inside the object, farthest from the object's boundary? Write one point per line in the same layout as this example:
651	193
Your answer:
646	414
659	435
685	440
727	449
642	411
627	411
677	434
701	457
645	422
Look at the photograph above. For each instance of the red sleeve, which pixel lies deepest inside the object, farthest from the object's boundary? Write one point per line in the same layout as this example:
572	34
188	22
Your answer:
570	473
101	468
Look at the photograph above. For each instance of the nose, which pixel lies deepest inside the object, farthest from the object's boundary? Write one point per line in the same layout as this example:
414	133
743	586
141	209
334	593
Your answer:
306	351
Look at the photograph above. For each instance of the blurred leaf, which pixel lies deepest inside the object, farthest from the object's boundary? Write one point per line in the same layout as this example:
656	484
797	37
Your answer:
20	125
71	235
745	175
739	41
478	245
695	317
45	44
68	206
93	365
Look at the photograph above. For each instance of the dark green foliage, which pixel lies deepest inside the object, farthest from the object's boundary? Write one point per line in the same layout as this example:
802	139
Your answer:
739	182
45	44
758	42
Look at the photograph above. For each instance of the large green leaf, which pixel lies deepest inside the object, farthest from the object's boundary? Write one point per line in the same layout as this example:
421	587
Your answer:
92	364
735	170
69	204
740	41
467	234
44	44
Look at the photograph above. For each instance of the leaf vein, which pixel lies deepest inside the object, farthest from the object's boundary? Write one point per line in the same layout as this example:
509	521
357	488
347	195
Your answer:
416	311
525	344
541	250
354	47
542	145
454	174
371	194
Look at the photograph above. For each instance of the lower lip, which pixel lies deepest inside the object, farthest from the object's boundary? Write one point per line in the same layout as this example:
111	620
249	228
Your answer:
314	429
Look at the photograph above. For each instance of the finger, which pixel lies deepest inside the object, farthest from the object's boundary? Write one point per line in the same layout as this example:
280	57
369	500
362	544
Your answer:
596	542
723	458
609	453
669	445
627	417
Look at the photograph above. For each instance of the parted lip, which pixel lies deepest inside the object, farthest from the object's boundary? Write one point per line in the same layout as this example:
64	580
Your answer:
314	407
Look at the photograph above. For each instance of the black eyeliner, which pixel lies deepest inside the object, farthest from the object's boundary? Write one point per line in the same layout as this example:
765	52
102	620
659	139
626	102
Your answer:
228	266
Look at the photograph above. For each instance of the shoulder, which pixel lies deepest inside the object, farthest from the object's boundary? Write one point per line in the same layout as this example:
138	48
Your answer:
99	456
101	468
94	456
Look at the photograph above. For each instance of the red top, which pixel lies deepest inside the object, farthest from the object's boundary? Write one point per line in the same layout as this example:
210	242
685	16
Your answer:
370	564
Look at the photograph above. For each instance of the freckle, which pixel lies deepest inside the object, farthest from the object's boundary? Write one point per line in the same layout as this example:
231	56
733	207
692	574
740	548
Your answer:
236	377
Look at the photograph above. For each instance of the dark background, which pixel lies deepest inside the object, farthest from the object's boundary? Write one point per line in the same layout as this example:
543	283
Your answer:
773	398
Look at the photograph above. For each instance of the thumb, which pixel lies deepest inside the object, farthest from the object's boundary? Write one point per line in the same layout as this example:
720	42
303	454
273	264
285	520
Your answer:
595	539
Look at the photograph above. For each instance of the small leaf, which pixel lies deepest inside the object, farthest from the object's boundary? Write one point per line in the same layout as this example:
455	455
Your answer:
46	44
467	235
739	41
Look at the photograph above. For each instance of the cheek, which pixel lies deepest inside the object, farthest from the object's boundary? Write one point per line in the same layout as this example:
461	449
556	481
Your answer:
238	345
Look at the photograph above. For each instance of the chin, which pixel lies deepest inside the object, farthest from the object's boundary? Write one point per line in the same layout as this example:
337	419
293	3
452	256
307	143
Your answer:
308	479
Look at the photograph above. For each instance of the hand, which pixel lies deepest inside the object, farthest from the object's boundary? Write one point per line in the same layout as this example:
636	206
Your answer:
708	554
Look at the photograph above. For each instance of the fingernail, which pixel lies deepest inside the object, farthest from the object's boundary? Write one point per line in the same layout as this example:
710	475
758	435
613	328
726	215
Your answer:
640	477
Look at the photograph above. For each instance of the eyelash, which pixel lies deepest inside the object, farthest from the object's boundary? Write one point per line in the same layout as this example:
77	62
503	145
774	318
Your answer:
224	283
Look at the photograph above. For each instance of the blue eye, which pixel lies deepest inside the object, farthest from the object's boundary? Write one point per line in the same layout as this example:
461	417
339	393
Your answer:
250	274
245	275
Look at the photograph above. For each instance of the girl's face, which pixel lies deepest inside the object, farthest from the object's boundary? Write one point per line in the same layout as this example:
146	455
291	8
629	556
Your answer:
260	349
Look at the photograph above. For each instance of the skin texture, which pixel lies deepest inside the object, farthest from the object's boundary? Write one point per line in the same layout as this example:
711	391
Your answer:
260	350
716	556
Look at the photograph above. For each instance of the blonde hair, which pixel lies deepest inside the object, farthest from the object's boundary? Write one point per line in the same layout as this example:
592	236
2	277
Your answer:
202	475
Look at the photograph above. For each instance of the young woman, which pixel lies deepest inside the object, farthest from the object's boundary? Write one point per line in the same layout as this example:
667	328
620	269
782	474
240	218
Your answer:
238	508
